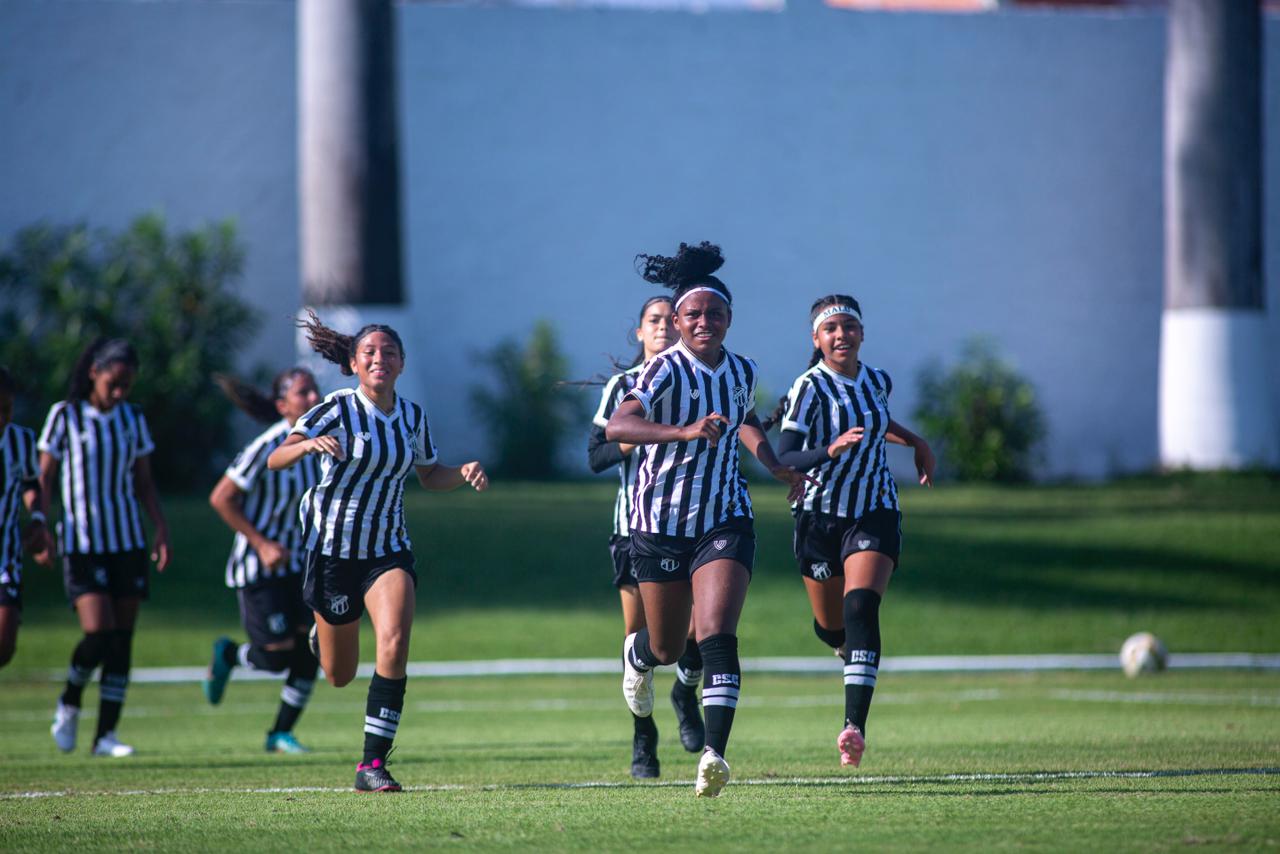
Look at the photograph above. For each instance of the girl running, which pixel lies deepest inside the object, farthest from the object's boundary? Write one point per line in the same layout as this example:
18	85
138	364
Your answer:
100	445
692	535
265	566
835	422
655	334
19	487
358	554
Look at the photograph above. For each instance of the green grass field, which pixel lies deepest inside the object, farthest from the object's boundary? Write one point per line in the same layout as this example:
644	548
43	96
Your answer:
1047	761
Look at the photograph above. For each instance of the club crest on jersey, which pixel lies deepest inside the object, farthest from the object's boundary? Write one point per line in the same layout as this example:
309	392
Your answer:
882	398
821	571
338	605
740	395
669	564
720	544
276	624
695	394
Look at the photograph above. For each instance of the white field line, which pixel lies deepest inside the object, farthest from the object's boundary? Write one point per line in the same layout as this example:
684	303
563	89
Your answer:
896	780
1184	698
794	664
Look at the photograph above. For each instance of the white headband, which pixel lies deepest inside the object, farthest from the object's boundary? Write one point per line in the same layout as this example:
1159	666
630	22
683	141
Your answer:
831	311
684	296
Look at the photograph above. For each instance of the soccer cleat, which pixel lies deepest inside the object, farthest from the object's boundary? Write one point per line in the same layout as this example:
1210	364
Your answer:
373	777
851	744
284	742
66	719
637	685
108	745
713	773
840	653
644	754
215	680
313	641
684	699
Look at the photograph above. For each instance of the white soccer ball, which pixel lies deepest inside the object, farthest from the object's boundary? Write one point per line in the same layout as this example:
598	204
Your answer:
1143	653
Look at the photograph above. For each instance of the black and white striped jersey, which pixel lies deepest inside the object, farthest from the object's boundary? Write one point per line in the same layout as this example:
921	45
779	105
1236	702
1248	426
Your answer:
821	405
617	387
97	450
18	472
685	489
271	500
357	508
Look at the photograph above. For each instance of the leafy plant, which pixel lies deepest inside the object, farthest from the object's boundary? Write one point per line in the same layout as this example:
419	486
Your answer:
167	293
982	415
529	414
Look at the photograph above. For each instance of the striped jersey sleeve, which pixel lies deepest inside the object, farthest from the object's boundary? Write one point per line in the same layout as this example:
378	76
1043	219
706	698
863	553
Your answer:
612	395
801	405
655	384
321	420
424	449
53	436
142	442
251	462
17	472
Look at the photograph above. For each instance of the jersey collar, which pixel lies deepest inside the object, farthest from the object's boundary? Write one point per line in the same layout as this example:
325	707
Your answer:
718	369
372	408
825	368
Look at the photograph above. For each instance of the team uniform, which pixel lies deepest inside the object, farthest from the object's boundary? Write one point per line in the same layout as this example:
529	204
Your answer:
18	473
620	540
353	527
853	506
691	504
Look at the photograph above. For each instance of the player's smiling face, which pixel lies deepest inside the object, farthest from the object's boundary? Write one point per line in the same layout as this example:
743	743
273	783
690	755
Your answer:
298	398
702	321
840	338
656	331
378	361
110	385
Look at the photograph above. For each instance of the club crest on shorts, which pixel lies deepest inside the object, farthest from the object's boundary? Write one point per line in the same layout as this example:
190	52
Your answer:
338	605
740	395
720	544
276	624
100	576
821	571
669	564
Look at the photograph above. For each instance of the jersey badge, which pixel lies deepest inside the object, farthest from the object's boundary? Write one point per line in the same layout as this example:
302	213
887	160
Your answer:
740	395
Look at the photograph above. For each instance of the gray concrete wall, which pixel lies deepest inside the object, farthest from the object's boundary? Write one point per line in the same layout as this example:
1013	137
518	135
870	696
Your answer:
995	174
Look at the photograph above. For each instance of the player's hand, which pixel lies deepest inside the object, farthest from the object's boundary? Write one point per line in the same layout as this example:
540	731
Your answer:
160	550
272	553
473	473
925	463
708	428
796	480
38	542
844	442
326	445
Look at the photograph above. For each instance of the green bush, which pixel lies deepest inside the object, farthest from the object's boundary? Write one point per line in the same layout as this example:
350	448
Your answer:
530	413
982	417
167	293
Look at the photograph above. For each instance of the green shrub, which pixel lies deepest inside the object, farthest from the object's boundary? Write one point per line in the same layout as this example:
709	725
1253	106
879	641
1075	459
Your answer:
167	293
982	416
530	413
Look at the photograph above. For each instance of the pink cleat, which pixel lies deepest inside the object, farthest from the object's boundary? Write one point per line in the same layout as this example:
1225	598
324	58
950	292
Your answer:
851	744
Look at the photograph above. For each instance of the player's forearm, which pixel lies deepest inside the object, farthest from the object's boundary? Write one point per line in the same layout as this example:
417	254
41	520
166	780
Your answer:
231	512
442	478
899	435
287	454
635	430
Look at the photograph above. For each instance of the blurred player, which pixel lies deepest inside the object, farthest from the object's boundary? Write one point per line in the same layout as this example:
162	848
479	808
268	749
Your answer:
835	423
265	566
100	445
358	552
692	534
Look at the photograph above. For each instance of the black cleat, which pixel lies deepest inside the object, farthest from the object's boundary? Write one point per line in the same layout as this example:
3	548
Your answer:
684	699
313	641
644	753
373	777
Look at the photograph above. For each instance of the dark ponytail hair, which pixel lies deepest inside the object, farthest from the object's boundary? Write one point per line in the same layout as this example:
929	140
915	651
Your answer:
255	403
101	353
338	348
816	357
689	268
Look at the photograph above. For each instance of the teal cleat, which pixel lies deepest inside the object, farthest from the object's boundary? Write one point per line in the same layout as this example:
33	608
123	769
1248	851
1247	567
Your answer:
284	742
215	682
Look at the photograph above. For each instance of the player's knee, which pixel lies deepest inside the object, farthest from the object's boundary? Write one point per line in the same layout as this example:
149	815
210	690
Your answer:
393	643
272	660
833	638
666	653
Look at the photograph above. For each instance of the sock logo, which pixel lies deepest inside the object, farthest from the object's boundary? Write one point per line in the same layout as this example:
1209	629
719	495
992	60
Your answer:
863	656
726	679
821	571
389	714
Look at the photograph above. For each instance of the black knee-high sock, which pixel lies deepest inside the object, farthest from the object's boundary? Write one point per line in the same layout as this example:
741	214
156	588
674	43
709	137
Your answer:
115	680
862	660
721	681
86	657
297	687
382	715
642	657
689	666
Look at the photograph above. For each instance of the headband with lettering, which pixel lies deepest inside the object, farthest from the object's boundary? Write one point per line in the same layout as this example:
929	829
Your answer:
831	311
684	296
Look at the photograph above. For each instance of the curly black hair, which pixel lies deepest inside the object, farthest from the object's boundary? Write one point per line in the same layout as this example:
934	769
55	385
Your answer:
689	268
814	310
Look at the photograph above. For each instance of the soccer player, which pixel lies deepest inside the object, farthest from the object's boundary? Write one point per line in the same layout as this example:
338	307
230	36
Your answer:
100	444
692	535
358	552
655	334
835	422
265	566
19	487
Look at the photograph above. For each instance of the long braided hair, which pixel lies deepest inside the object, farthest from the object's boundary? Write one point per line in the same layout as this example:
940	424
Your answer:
101	353
814	310
255	403
338	348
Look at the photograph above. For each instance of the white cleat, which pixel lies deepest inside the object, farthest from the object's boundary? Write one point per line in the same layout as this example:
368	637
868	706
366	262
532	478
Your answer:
713	773
109	746
66	720
637	685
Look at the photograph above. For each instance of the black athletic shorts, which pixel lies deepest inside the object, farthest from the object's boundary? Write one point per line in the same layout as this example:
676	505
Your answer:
823	542
120	575
620	551
11	595
273	611
659	557
334	587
